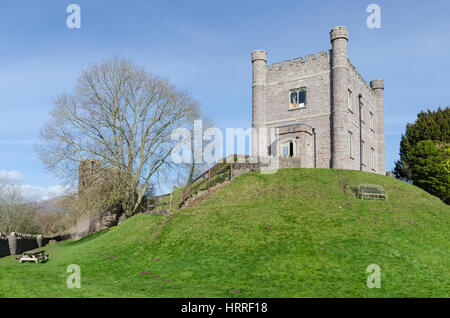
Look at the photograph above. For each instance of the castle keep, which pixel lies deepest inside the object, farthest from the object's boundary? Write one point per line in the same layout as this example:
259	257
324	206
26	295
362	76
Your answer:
322	112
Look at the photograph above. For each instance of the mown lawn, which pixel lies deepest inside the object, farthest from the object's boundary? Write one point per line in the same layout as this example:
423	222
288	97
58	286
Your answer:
296	233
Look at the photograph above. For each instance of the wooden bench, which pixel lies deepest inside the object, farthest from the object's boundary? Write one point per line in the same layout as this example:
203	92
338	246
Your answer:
33	256
370	192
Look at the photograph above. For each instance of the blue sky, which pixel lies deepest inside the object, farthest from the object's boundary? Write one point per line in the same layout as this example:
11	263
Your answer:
204	47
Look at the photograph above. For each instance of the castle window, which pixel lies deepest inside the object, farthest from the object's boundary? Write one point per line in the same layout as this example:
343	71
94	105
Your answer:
288	149
349	100
294	99
363	159
297	98
372	158
371	121
361	109
350	144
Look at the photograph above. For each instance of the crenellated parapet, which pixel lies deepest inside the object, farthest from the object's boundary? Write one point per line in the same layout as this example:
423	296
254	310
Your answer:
339	32
377	84
354	72
259	55
299	67
299	61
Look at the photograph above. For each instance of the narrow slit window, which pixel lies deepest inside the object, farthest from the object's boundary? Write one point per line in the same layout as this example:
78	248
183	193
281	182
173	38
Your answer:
349	100
362	152
371	121
362	111
350	144
372	158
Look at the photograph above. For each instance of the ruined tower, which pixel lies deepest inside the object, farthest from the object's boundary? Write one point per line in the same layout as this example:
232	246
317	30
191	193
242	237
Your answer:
88	174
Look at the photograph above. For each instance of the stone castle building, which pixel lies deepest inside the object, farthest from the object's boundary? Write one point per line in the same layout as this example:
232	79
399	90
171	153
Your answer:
321	111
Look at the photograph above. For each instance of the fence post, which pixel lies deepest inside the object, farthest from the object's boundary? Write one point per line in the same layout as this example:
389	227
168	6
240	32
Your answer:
170	206
231	172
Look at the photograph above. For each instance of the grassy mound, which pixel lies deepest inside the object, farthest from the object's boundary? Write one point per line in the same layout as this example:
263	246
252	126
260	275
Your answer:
296	233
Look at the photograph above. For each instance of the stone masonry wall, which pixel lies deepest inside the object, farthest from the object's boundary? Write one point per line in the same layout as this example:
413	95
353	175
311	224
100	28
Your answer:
4	245
313	72
359	86
25	242
17	243
327	78
93	223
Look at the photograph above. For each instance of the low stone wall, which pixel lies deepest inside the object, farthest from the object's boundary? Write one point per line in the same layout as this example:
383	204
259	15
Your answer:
270	163
4	245
56	238
285	163
17	243
246	166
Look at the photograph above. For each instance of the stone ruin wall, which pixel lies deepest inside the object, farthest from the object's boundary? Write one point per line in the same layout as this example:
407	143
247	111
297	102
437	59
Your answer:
17	243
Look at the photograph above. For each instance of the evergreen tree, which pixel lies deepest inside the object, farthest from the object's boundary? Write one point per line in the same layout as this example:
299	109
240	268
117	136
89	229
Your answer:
425	153
428	126
429	162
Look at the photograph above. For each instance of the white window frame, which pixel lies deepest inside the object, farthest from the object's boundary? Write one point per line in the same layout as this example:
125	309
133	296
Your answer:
297	90
361	109
363	159
372	121
294	148
350	100
372	158
350	144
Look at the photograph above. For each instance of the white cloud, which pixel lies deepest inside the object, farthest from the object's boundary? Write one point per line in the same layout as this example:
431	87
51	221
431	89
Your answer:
30	192
11	176
35	193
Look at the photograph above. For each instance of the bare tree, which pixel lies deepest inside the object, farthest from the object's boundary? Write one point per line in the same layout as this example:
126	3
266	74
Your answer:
187	171
15	216
196	168
123	116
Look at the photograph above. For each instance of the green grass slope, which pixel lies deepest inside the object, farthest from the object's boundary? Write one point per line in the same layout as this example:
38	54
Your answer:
296	233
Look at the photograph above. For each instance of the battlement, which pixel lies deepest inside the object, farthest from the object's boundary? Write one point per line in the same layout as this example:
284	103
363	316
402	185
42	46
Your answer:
356	73
259	55
339	32
377	84
311	58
